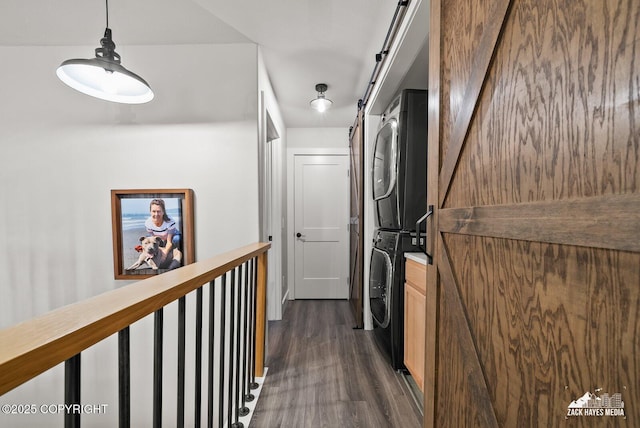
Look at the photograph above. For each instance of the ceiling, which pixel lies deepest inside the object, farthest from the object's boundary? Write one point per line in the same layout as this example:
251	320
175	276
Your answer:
304	42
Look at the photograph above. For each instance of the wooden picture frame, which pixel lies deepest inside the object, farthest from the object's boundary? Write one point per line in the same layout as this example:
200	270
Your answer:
131	218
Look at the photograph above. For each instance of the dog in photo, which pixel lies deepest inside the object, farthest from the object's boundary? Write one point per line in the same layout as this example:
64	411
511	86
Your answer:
155	257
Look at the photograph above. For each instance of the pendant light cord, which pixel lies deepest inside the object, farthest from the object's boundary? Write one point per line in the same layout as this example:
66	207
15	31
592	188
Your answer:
107	49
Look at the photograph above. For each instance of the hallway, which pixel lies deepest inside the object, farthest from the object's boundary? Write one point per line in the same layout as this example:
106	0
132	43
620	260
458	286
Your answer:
323	373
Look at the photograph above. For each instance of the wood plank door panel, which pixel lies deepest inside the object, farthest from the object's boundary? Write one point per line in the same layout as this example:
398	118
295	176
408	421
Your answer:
356	223
535	107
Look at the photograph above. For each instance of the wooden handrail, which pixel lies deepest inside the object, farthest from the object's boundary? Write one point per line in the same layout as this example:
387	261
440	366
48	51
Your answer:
32	347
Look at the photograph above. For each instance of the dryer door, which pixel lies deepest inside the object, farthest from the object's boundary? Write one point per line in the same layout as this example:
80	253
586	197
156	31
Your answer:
380	280
385	154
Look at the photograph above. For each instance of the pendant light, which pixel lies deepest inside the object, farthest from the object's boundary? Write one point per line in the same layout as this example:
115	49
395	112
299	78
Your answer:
103	77
321	103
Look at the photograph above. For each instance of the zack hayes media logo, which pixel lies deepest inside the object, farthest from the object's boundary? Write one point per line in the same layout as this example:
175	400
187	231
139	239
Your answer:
591	404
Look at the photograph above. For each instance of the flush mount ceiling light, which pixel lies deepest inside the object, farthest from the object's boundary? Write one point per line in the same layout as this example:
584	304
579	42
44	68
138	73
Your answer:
320	103
103	77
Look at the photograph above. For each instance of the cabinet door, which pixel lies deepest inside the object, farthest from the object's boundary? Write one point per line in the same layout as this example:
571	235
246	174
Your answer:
414	317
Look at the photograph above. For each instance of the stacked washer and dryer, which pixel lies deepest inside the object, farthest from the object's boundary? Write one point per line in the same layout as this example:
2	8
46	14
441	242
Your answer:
399	177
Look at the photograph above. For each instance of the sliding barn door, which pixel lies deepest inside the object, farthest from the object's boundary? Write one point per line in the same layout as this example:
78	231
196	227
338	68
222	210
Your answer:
356	240
535	137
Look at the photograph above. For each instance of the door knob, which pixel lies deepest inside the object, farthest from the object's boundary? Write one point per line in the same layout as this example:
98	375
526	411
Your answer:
298	235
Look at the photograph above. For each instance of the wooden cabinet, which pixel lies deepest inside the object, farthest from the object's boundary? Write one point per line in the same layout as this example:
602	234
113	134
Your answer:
414	319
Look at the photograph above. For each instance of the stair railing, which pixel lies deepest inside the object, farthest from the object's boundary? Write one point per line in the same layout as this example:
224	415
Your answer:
237	278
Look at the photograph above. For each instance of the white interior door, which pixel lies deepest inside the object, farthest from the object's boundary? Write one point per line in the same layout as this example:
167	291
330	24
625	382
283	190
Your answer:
321	211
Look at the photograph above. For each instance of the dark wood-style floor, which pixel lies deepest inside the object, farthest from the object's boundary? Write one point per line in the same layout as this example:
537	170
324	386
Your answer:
323	373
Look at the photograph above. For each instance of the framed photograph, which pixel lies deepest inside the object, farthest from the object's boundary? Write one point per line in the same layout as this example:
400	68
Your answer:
152	231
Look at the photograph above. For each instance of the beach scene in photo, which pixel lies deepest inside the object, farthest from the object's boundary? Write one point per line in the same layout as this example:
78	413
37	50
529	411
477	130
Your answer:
135	211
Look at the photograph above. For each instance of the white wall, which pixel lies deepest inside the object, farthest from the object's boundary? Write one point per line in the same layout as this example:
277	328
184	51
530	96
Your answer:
317	138
192	84
62	154
65	151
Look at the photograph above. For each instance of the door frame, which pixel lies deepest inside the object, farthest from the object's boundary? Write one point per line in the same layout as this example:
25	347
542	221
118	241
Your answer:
291	154
269	205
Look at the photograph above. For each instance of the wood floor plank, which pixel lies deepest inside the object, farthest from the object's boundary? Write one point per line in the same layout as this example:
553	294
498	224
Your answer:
323	373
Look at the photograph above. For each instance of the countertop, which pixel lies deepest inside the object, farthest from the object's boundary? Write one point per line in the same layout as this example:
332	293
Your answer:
417	257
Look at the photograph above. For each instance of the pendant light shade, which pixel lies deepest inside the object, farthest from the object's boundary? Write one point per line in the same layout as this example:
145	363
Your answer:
104	77
321	103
